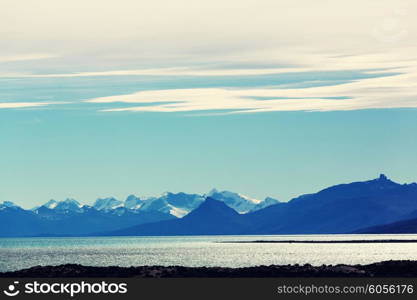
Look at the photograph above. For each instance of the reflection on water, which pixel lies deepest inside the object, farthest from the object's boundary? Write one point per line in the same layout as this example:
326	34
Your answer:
18	253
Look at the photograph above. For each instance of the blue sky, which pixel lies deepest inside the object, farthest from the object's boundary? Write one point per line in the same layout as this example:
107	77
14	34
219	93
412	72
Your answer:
255	109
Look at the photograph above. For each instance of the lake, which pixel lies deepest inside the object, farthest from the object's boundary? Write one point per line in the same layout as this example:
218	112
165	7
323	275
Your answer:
18	253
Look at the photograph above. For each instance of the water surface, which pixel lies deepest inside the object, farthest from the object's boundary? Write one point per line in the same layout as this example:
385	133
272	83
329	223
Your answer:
18	253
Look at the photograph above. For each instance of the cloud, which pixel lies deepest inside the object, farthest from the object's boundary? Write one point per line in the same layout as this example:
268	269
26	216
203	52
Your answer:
205	38
25	57
300	62
388	90
185	71
351	97
137	35
11	105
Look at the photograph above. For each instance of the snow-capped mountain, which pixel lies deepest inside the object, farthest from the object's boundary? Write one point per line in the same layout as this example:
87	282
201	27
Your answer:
133	202
263	204
67	205
7	204
51	204
181	204
174	204
69	218
241	203
107	204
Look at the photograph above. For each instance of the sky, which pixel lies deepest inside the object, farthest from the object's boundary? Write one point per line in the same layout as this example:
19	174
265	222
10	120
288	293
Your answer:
265	98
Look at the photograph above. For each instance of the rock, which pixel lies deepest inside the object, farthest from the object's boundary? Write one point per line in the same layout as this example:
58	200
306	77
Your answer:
381	269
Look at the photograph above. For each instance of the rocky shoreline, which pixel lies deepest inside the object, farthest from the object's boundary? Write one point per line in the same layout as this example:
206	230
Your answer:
404	268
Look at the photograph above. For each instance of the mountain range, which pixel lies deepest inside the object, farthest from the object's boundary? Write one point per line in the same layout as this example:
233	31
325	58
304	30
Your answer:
69	217
357	207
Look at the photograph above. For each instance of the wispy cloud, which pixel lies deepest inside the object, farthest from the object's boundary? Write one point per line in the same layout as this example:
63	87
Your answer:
389	90
25	57
263	31
185	71
180	41
11	105
300	62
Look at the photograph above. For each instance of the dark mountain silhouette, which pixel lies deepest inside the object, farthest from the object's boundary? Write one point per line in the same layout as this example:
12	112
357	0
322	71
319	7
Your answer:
210	218
18	222
339	209
405	226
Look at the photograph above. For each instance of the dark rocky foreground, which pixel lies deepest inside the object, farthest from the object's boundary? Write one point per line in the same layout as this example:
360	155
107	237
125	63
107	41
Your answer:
382	269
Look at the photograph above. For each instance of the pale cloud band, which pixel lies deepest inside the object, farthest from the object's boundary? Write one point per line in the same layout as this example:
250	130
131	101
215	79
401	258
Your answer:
394	87
180	38
398	90
25	57
299	61
12	105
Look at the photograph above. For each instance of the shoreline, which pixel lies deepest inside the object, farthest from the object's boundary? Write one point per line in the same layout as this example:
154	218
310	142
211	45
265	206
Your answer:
399	268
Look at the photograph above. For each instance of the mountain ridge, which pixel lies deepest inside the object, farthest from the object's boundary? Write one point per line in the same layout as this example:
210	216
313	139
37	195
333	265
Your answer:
212	217
338	209
342	208
176	204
